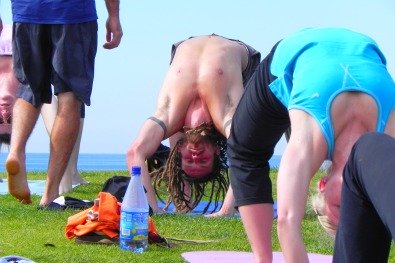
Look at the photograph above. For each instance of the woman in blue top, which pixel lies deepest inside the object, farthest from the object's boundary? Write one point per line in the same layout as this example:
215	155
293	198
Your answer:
330	85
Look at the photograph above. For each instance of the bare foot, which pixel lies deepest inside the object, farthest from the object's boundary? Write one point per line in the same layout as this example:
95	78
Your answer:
17	181
48	196
77	179
69	180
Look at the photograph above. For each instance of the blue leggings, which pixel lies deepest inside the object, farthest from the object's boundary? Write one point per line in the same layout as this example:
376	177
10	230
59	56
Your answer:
367	211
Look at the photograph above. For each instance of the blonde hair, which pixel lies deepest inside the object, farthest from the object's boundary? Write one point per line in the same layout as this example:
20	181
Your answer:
318	204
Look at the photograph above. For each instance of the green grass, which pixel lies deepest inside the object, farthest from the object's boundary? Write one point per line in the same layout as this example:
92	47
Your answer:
39	235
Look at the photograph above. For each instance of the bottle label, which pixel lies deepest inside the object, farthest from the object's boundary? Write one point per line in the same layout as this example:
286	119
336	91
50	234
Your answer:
134	226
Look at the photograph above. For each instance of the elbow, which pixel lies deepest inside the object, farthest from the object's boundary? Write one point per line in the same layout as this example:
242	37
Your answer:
132	155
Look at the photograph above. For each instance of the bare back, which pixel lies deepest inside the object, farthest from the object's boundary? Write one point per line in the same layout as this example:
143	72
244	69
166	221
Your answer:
204	83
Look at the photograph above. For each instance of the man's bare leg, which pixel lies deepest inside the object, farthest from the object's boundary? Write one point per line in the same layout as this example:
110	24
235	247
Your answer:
24	119
71	176
63	137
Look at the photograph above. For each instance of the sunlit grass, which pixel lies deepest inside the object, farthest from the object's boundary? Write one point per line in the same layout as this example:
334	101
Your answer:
39	235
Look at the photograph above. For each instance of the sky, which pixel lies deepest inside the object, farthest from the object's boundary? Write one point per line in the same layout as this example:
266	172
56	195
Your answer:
128	79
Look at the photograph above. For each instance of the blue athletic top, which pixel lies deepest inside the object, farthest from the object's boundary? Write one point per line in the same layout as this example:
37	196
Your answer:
314	65
53	11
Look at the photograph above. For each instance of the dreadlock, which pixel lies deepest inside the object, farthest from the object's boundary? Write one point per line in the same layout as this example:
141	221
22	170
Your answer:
178	181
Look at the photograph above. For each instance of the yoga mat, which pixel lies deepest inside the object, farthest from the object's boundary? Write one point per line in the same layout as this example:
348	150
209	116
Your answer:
36	187
200	207
241	257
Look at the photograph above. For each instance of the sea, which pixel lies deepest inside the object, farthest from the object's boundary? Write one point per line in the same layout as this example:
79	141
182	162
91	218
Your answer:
38	162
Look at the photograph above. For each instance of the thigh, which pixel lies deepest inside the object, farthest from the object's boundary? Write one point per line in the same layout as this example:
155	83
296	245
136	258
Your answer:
259	120
362	235
69	105
258	124
376	164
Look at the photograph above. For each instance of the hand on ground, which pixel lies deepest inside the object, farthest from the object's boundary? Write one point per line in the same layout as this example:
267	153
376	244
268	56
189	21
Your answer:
222	213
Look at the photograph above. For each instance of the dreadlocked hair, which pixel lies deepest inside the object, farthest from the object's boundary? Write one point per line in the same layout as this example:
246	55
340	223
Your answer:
178	182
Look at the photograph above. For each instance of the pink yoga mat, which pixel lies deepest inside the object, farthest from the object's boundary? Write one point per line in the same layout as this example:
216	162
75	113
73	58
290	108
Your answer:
241	257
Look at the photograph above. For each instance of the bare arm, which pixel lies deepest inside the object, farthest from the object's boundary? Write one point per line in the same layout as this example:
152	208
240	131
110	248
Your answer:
222	106
113	25
302	158
146	143
171	110
175	138
227	208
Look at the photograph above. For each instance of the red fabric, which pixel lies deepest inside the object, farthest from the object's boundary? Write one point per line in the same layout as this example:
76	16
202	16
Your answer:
107	222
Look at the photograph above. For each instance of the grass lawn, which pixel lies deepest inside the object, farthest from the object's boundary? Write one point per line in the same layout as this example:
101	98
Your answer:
39	235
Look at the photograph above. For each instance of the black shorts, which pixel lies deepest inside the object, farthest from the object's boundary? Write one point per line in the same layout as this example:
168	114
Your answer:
61	55
259	122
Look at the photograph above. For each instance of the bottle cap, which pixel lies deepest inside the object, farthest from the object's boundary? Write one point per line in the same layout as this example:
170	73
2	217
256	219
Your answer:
136	170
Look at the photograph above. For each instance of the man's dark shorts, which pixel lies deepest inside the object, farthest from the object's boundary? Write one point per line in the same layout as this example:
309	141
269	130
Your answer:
61	55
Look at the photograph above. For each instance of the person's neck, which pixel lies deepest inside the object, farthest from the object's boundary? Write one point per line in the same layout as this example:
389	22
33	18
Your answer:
344	143
197	114
349	122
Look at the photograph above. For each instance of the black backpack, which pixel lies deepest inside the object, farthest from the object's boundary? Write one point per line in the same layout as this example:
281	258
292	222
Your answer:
117	186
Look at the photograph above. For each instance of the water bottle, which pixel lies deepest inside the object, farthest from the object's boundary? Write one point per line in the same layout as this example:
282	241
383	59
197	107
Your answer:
133	234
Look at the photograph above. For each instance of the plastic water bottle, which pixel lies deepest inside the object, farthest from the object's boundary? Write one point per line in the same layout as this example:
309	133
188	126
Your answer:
133	234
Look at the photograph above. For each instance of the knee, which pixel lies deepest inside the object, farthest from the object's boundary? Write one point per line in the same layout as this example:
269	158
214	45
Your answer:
68	104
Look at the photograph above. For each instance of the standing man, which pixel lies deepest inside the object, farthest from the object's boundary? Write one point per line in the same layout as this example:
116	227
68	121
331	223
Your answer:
8	88
53	43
